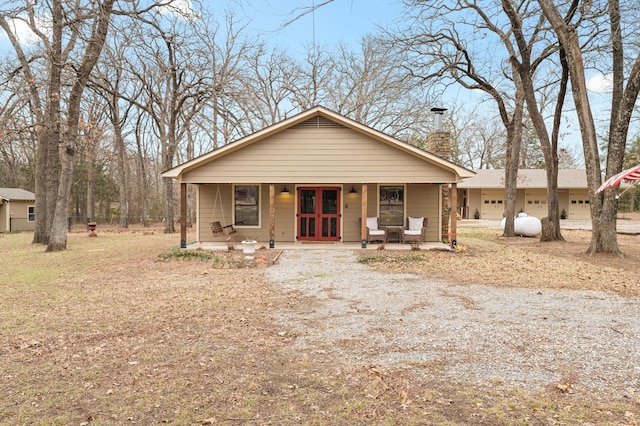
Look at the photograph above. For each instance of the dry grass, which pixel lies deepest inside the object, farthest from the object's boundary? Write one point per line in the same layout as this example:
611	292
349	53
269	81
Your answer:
492	260
106	334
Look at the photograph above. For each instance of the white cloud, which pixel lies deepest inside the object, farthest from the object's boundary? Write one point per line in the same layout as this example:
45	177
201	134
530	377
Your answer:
179	9
600	83
23	31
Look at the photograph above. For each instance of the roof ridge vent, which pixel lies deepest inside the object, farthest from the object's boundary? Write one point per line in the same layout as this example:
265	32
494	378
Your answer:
318	122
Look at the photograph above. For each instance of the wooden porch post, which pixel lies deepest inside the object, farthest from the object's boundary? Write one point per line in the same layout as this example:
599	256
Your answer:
183	215
363	220
453	196
272	215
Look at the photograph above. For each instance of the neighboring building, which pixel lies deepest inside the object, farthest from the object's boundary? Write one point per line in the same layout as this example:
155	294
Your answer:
17	210
484	192
315	177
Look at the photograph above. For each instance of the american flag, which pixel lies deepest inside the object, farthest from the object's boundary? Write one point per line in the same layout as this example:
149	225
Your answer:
630	174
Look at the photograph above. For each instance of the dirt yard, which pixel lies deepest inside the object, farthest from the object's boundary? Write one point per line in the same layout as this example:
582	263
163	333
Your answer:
122	330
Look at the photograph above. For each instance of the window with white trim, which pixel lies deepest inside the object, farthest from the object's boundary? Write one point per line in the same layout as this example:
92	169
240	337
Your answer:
391	205
246	204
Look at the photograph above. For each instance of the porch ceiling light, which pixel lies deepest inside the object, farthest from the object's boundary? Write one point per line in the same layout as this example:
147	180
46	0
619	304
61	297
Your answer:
285	191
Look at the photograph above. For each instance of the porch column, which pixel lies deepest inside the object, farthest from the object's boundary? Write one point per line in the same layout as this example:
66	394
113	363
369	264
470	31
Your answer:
272	215
183	215
363	214
453	196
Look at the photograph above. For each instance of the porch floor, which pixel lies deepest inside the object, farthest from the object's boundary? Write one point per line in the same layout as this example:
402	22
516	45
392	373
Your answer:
222	246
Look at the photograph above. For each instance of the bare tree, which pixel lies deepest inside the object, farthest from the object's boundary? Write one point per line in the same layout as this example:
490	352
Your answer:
46	113
93	149
270	79
604	205
476	142
111	82
526	64
17	139
369	85
169	69
448	42
70	48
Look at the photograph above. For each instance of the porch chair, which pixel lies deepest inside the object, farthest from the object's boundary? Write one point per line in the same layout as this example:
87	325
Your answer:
374	233
415	230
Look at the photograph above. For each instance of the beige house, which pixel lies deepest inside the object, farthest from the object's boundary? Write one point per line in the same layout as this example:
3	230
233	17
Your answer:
484	192
17	210
315	177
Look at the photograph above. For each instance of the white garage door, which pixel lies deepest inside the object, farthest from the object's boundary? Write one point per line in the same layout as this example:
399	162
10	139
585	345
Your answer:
579	207
536	203
492	204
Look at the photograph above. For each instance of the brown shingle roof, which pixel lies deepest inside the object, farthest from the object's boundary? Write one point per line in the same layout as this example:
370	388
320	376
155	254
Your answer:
527	178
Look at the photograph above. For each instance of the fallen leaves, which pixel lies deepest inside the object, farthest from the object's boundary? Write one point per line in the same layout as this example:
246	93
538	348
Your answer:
531	264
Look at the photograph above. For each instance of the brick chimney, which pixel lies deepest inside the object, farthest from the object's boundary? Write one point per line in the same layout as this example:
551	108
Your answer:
439	141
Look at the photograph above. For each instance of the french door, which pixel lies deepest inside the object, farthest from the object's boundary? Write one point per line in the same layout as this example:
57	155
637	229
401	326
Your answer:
318	214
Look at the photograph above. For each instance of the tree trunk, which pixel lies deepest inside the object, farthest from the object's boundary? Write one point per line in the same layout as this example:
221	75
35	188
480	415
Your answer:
91	208
547	230
41	232
53	117
122	178
169	225
58	237
603	220
604	237
553	212
524	69
514	137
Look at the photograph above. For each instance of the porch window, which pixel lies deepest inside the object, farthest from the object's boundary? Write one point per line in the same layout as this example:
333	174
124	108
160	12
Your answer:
246	204
391	205
31	214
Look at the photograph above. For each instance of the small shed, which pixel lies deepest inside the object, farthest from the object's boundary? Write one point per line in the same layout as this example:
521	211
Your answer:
17	210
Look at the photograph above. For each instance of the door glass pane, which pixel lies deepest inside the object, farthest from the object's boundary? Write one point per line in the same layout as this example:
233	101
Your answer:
312	226
307	201
303	226
330	201
330	227
391	205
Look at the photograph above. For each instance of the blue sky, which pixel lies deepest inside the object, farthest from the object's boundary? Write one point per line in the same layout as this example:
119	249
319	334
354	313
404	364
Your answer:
345	21
341	21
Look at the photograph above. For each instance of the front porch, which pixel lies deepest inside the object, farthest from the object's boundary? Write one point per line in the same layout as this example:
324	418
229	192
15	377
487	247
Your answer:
284	218
304	245
319	176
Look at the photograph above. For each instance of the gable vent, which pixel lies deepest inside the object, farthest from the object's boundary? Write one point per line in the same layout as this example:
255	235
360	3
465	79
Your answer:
318	122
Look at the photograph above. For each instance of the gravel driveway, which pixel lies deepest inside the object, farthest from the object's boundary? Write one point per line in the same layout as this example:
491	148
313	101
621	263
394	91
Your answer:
508	338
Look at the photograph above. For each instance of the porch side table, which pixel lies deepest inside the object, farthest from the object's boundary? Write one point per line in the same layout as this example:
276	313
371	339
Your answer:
393	234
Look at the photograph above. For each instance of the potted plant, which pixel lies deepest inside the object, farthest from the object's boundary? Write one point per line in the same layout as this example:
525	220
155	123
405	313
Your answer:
563	214
476	214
